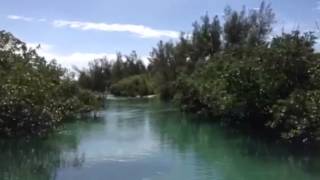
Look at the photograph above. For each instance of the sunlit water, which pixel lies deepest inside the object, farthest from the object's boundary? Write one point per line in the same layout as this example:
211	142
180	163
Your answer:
149	140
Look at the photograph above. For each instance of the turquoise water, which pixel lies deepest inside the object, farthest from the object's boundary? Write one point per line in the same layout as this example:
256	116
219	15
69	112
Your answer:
149	140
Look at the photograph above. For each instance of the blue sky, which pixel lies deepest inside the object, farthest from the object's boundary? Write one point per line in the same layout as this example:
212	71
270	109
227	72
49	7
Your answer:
76	31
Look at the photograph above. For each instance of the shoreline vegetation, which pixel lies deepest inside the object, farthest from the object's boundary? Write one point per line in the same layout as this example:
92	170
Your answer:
36	96
237	70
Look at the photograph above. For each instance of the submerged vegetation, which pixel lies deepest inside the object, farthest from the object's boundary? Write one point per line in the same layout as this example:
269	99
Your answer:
36	95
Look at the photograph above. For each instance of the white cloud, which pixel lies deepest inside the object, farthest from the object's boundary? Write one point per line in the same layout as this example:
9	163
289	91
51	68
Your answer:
74	59
140	30
43	46
78	59
42	20
256	8
23	18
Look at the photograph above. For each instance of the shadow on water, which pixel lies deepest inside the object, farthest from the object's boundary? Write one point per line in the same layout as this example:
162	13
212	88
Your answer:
233	154
40	158
139	139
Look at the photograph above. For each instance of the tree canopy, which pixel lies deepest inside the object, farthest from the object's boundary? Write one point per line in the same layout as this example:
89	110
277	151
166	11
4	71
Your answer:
241	73
35	95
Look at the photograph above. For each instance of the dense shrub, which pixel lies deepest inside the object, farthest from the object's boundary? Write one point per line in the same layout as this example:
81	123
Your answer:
138	85
275	88
23	119
297	117
102	73
35	95
241	73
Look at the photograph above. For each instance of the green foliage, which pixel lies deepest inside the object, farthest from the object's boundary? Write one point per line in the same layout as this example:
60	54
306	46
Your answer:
35	96
297	117
237	71
97	77
234	70
248	28
138	85
163	68
273	88
240	30
102	73
169	60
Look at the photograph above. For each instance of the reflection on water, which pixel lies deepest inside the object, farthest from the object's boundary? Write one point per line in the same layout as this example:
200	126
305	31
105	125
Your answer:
146	139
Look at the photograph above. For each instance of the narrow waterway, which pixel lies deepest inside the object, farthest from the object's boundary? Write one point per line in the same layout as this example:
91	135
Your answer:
150	140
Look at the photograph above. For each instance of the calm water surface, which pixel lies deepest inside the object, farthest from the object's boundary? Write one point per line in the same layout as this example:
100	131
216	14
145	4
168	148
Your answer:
149	140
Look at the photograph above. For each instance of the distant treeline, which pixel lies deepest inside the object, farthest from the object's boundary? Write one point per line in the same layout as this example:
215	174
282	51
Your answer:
237	71
123	76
